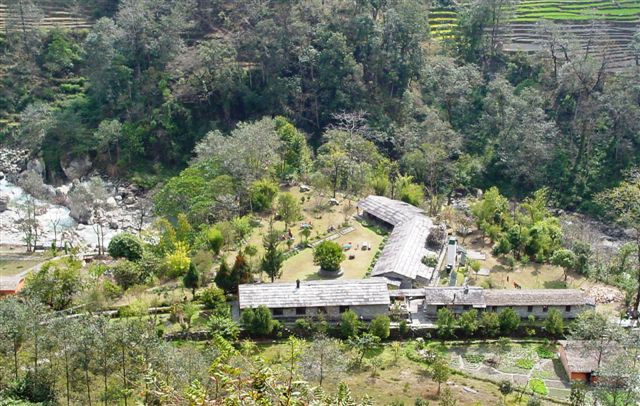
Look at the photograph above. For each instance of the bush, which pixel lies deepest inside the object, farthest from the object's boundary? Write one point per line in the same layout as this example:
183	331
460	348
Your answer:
328	255
349	324
126	245
33	387
262	193
178	261
379	327
111	290
127	274
258	321
430	260
224	327
212	298
214	239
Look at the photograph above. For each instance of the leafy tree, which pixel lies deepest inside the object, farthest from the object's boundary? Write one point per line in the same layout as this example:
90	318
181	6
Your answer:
566	259
273	256
258	321
178	261
490	324
183	229
295	154
469	322
364	344
262	194
379	327
554	324
446	323
328	255
578	394
192	279
56	283
440	371
125	245
509	321
241	270
349	324
288	209
506	388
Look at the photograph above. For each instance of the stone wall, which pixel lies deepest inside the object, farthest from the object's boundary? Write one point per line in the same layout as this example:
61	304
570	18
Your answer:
332	313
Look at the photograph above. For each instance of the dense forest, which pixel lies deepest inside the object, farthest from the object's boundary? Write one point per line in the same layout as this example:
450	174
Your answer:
222	131
138	90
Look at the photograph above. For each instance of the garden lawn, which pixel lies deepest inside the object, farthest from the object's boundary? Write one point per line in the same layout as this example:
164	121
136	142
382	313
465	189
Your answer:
14	264
300	266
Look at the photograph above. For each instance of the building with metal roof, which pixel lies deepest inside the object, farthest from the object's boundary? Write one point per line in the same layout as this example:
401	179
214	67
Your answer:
401	259
366	297
533	302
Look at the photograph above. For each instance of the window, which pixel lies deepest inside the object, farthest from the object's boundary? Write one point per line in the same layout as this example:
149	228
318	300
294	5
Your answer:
278	311
494	308
545	308
344	309
321	310
439	307
466	307
529	309
301	311
567	309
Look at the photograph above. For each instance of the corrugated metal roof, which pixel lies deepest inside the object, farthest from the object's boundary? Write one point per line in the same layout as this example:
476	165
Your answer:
473	296
315	294
531	297
388	210
404	250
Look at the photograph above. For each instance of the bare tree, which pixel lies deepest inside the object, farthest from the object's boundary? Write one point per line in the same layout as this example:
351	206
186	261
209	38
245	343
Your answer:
141	214
28	223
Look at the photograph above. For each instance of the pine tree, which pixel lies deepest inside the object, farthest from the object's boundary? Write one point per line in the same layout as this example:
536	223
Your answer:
192	279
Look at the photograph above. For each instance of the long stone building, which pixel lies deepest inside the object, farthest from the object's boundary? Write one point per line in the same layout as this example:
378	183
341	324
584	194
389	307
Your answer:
290	301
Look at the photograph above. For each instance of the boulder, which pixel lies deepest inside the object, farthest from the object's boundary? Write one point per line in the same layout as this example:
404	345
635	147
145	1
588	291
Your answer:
36	165
113	225
76	167
111	203
4	203
1	175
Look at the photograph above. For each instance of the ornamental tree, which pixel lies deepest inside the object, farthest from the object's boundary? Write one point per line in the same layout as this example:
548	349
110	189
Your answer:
328	255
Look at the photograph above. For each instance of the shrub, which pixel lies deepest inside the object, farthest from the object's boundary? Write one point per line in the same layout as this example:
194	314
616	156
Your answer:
126	245
258	321
403	328
192	279
328	255
127	274
262	193
379	327
430	260
111	290
349	324
490	324
178	261
554	324
214	239
224	327
212	298
473	358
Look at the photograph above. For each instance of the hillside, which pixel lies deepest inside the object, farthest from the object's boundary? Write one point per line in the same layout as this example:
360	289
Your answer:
606	25
56	13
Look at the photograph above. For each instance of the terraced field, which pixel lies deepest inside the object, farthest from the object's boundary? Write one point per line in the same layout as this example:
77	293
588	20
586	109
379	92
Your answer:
57	13
604	25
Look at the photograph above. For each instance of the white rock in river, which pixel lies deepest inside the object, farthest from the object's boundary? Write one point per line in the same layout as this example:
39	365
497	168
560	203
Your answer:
4	203
111	203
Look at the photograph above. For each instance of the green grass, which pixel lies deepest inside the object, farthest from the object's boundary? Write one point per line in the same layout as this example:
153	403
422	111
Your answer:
10	267
538	386
525	363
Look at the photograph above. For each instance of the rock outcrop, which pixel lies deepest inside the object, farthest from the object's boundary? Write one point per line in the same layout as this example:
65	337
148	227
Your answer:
4	203
76	167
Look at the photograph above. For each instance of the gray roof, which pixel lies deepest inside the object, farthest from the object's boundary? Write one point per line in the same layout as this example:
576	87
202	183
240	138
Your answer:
315	294
388	210
532	297
403	252
472	296
580	356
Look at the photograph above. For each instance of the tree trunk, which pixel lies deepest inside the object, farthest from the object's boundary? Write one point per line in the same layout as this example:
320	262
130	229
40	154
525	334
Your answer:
634	313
